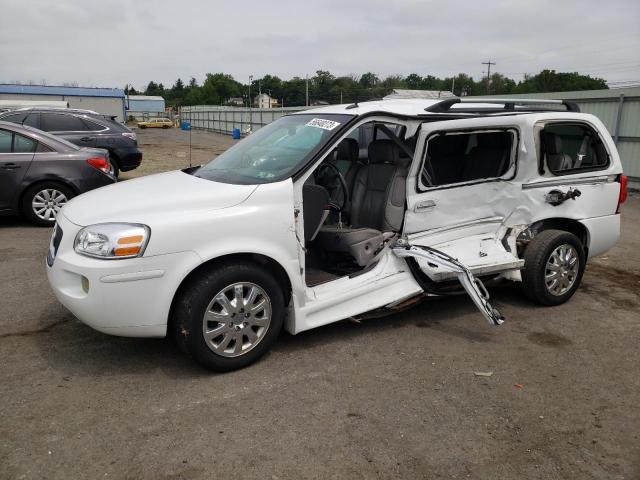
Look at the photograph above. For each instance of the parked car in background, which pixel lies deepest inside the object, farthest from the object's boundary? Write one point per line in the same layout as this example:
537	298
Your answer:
40	173
85	129
156	123
346	211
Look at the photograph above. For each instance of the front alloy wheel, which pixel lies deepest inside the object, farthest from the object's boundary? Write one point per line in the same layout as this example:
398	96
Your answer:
236	319
228	315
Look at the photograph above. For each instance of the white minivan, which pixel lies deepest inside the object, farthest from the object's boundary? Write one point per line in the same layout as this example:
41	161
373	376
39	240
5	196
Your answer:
340	212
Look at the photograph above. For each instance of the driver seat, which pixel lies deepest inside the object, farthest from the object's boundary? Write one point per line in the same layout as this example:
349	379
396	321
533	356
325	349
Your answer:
377	205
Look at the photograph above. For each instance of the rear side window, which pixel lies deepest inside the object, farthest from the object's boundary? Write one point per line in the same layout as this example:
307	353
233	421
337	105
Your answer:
13	143
459	157
5	141
15	117
55	122
23	144
572	148
33	120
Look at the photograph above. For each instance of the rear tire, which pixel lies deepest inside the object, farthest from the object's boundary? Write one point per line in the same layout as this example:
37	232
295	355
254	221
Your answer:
228	316
42	202
554	264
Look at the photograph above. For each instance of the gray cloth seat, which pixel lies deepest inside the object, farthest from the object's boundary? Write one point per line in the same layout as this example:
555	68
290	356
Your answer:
556	160
345	159
377	204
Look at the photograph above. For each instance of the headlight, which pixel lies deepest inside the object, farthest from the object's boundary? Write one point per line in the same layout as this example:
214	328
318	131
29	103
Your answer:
112	240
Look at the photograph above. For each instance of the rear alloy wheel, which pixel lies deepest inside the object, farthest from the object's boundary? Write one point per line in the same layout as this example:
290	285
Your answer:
554	264
229	316
42	202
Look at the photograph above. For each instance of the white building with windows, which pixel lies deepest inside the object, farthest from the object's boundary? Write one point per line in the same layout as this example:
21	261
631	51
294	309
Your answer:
263	100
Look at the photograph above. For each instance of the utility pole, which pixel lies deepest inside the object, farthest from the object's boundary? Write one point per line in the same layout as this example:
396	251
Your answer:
488	64
259	92
307	88
250	112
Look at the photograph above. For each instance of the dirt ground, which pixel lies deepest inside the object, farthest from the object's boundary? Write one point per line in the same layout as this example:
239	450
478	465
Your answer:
389	398
165	150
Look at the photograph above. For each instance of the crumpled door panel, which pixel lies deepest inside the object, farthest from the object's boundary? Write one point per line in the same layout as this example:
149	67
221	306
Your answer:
445	263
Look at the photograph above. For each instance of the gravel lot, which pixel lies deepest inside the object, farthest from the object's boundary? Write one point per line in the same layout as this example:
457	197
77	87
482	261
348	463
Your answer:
389	398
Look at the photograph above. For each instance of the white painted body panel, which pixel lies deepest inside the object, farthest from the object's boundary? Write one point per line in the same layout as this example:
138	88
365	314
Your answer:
193	221
484	210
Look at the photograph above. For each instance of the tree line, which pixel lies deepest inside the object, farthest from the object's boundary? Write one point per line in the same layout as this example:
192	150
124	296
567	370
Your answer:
223	89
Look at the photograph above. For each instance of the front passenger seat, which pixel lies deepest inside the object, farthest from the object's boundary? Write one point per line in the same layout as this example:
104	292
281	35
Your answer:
377	205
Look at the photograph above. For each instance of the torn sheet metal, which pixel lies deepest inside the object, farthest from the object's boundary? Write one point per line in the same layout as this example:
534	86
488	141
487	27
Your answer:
444	262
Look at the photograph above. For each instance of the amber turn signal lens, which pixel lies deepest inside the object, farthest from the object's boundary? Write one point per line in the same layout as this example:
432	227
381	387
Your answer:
124	251
129	240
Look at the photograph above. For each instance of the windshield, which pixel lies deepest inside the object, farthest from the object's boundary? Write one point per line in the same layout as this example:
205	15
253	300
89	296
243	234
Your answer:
275	151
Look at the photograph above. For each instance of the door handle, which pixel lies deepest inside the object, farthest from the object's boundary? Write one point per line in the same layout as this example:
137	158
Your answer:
424	206
10	166
86	139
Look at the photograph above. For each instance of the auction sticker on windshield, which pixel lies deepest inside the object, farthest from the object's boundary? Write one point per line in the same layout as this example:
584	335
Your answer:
322	123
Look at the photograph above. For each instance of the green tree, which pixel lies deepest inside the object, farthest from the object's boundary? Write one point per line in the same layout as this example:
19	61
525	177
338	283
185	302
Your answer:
552	81
369	80
217	88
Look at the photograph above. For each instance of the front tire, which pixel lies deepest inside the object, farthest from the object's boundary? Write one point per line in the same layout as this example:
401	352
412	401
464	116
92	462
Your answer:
229	316
42	202
554	264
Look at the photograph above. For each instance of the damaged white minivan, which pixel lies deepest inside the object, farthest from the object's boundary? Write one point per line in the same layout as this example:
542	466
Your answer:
340	212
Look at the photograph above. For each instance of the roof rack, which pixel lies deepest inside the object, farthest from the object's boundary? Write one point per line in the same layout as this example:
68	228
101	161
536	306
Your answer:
510	104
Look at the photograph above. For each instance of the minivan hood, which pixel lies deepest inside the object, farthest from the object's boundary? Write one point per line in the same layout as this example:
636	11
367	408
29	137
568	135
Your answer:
161	195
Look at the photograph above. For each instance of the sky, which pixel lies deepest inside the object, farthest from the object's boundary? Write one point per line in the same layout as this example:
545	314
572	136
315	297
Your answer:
112	43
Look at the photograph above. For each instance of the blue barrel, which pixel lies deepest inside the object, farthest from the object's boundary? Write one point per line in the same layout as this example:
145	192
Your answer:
235	134
185	125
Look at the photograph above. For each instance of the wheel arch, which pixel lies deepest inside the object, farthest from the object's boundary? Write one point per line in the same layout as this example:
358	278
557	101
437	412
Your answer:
272	265
567	224
27	186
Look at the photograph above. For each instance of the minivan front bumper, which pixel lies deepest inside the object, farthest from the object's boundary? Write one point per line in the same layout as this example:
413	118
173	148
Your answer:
129	297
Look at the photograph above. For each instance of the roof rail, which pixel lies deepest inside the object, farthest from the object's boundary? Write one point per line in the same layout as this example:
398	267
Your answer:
444	106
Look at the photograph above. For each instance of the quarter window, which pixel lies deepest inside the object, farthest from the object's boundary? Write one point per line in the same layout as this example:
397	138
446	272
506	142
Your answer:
23	144
458	157
93	126
42	148
572	147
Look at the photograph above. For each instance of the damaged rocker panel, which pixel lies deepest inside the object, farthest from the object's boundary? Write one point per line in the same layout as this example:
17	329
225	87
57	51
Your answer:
445	263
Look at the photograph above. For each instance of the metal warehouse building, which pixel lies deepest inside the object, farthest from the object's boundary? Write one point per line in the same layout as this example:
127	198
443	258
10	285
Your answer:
619	110
107	101
144	106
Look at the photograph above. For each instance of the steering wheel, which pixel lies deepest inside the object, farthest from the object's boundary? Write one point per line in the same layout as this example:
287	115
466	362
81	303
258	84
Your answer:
334	203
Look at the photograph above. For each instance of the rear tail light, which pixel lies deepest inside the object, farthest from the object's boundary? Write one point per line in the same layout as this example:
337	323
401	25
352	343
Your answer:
101	164
130	135
623	191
